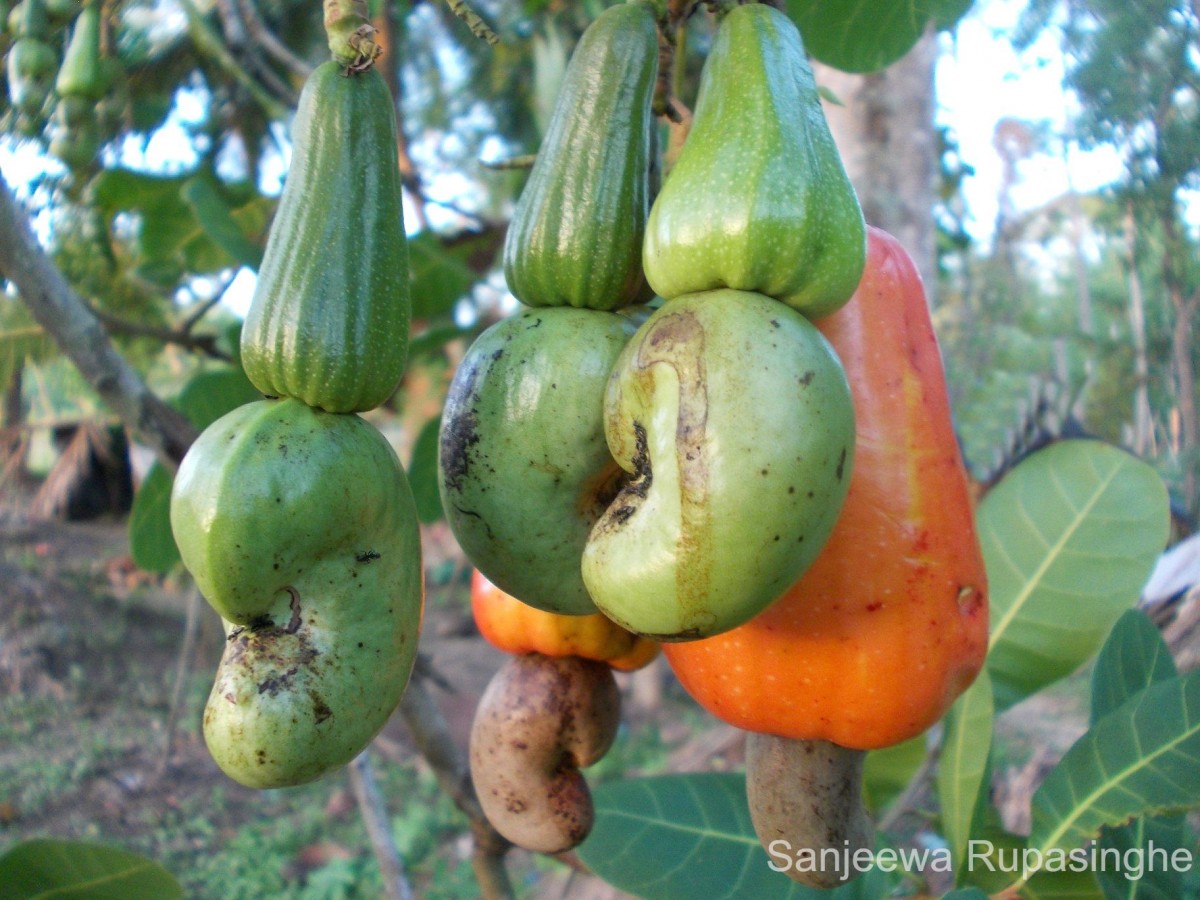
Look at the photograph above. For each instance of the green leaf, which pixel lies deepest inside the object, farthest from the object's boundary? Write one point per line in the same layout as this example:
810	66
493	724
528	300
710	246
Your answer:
204	399
423	473
1133	658
966	743
1143	757
690	836
867	35
1069	537
53	868
440	275
151	544
216	218
887	772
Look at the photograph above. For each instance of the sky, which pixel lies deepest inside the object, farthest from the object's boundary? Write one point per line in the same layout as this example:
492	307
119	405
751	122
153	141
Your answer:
980	80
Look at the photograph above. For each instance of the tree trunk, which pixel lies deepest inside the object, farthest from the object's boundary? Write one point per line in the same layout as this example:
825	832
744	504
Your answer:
1142	433
885	132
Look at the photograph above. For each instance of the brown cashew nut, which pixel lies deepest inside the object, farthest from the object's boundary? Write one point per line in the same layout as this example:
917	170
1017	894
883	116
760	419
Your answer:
540	720
807	795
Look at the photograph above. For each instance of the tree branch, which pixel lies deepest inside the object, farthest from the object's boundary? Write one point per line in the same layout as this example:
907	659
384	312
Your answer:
379	830
65	317
434	742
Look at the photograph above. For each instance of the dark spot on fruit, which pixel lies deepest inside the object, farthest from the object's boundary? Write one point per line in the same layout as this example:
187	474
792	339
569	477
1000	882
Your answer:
874	607
321	710
807	377
366	556
841	466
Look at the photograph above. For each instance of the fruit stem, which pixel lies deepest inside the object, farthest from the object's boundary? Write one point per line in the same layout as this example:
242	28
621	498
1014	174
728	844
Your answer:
351	35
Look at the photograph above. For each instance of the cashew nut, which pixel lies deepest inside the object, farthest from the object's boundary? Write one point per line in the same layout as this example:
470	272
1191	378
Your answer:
808	794
540	720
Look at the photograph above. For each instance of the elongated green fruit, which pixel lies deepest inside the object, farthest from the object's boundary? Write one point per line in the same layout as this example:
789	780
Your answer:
524	467
733	415
300	530
576	235
758	199
30	68
328	323
80	74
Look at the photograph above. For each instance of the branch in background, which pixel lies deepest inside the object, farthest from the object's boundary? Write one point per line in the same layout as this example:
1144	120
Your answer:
203	309
209	43
203	343
478	27
268	41
510	162
65	317
375	818
434	742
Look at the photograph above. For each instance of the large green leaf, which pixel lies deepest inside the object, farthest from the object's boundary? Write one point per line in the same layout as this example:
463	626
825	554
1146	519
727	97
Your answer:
423	473
1134	657
690	836
215	216
966	743
1143	757
887	772
205	398
45	868
440	275
867	35
1069	537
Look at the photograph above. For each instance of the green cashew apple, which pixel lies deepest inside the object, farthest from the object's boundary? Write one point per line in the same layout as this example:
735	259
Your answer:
524	467
733	416
300	530
758	199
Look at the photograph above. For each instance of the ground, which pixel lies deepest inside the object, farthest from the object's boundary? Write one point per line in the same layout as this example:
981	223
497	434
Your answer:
89	650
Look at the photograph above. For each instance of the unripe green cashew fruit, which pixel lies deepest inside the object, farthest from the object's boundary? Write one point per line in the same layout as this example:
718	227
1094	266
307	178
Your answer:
31	65
733	415
80	74
300	530
758	199
576	235
524	467
328	323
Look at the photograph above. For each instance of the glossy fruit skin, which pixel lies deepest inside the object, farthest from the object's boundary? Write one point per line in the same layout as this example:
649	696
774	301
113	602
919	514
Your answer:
515	627
758	199
328	323
733	416
576	235
889	625
523	465
300	530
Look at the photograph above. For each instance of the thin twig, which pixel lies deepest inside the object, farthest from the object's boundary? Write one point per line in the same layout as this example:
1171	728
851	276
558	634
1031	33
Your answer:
432	737
189	321
478	27
512	162
375	819
205	343
183	666
268	41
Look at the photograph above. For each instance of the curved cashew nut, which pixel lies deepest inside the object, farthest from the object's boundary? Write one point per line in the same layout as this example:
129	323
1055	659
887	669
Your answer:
809	795
540	720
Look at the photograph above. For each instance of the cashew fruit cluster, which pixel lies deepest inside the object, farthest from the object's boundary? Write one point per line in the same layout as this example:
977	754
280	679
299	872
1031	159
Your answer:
675	471
551	710
679	472
292	513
